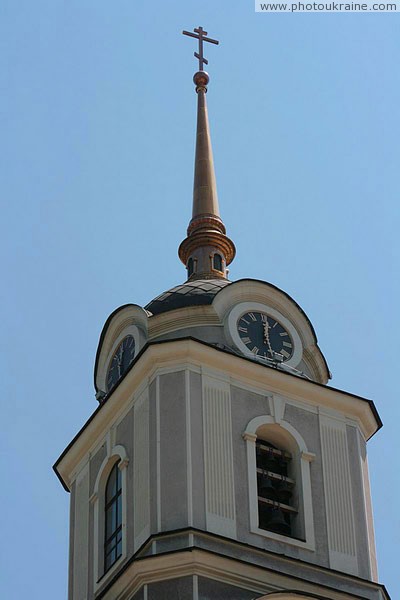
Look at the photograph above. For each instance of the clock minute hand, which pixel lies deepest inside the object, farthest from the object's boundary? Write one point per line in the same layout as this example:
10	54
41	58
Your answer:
266	336
121	351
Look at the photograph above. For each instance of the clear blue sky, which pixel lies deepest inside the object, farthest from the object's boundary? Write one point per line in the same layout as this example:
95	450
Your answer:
97	133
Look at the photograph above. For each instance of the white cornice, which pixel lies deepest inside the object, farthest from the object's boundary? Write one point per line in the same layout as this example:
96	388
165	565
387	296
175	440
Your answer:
182	318
167	355
209	565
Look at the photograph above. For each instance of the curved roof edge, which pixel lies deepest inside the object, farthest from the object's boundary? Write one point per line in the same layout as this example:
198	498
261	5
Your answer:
275	287
103	335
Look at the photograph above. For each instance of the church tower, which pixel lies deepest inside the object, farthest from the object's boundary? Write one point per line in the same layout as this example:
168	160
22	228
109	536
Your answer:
218	463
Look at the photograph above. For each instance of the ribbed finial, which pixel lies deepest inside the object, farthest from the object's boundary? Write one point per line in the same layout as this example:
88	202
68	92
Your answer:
206	251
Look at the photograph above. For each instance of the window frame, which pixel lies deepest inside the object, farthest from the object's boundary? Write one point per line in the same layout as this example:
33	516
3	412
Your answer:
117	456
190	266
221	270
266	427
266	451
113	506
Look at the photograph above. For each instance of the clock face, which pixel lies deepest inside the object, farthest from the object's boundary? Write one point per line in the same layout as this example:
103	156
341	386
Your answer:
121	361
264	336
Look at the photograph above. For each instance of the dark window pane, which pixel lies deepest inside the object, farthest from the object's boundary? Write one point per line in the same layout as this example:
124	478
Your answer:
272	469
110	559
111	484
113	518
217	262
119	511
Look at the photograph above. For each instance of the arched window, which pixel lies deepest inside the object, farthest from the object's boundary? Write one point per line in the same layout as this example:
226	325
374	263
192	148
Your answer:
190	267
113	518
278	462
109	501
217	262
275	489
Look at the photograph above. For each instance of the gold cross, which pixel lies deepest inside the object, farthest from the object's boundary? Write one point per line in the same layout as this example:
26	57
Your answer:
200	35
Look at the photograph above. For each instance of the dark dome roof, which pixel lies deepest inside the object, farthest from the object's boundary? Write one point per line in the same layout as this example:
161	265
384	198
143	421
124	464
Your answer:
191	293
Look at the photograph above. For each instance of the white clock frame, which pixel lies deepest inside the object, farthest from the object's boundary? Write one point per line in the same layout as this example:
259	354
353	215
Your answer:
244	307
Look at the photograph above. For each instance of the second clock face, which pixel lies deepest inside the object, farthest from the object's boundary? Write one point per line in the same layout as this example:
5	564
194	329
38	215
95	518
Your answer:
263	335
121	360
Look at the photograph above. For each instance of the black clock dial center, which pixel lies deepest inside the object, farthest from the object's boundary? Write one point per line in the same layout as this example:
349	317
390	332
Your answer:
121	361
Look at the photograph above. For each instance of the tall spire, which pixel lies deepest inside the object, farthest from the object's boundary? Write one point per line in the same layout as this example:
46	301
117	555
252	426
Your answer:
206	251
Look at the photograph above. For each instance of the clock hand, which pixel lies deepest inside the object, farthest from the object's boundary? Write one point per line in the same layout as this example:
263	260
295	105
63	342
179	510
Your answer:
120	353
266	335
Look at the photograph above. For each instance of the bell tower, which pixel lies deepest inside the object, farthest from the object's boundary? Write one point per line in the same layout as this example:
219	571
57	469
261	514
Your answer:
218	462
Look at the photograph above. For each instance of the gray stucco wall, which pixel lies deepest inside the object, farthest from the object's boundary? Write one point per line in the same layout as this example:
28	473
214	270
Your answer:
307	425
209	334
153	457
360	520
91	550
71	540
124	437
124	434
211	590
96	461
174	589
245	405
173	470
196	419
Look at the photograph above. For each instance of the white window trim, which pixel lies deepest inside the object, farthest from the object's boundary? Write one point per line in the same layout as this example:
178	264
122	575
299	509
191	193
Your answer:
118	453
306	511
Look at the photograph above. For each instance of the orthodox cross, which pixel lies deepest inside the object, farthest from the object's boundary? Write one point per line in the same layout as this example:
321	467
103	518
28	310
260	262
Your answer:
200	35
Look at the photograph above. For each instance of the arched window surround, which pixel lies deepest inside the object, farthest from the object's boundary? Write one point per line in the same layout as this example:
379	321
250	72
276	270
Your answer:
284	434
116	455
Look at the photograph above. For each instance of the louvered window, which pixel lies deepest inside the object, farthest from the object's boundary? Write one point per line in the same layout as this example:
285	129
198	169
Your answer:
275	489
